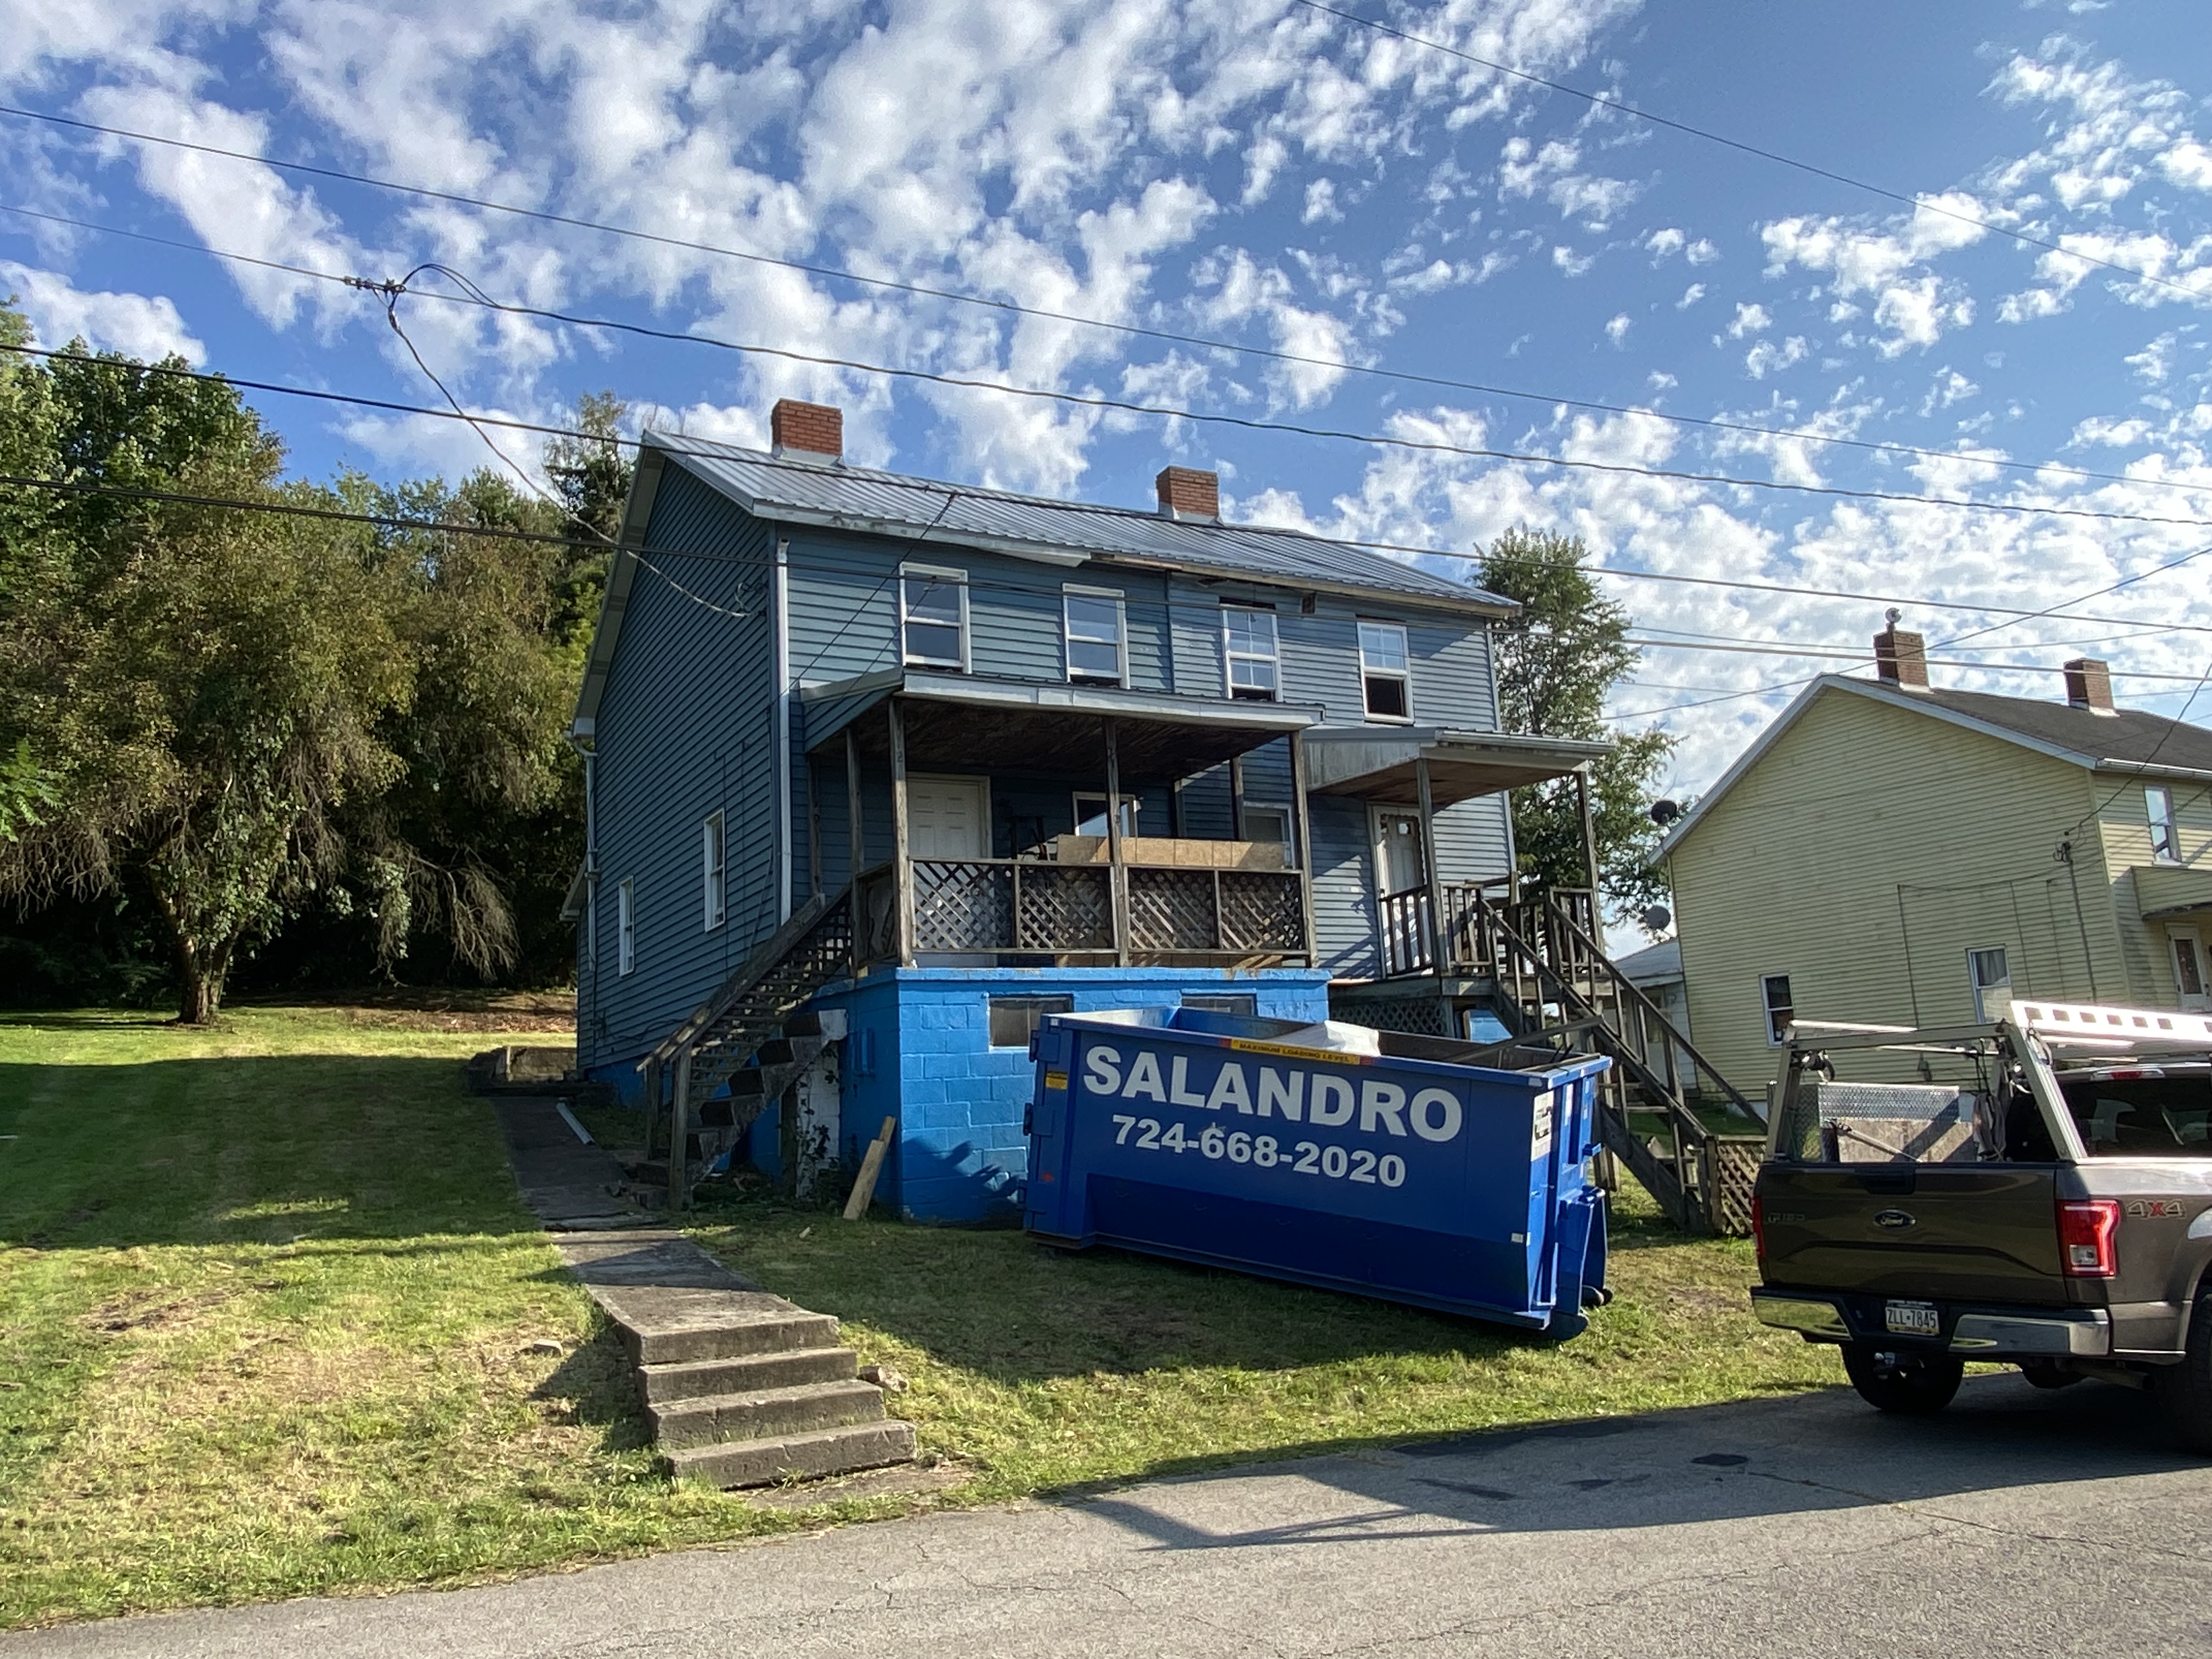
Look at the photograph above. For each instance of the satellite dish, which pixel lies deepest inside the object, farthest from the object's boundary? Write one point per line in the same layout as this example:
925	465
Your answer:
1657	919
1664	812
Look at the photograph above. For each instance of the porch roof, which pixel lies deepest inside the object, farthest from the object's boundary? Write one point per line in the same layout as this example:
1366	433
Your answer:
2168	890
1376	763
975	720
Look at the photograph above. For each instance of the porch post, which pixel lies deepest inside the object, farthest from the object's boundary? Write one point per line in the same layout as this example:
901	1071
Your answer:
902	865
1590	829
1117	887
1304	839
1237	798
1439	950
856	849
813	828
679	1132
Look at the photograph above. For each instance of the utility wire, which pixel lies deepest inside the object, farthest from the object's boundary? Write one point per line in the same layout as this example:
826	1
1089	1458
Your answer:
1135	331
674	444
1599	100
1844	654
2112	587
1166	412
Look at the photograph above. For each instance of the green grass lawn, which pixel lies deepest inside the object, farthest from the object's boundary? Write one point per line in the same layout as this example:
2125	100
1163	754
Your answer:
267	1298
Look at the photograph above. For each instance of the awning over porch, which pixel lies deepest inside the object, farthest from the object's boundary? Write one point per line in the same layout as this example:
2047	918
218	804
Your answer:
1379	763
2169	890
967	720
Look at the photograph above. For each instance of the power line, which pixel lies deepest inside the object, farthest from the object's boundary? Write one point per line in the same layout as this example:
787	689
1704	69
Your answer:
2113	587
1134	331
1920	602
384	287
1844	654
1599	100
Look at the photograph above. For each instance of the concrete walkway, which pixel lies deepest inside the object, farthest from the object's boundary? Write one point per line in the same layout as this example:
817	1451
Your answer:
568	1184
2055	1524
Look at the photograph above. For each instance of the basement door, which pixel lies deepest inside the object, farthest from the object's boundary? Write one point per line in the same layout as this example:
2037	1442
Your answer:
948	818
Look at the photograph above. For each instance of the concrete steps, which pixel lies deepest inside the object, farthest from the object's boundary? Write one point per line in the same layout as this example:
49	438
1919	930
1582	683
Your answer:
743	1389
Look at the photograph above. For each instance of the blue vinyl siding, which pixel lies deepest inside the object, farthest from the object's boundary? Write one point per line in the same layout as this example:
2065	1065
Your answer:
679	735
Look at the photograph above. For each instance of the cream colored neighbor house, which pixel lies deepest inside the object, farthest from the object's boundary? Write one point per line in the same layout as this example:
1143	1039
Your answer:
1894	853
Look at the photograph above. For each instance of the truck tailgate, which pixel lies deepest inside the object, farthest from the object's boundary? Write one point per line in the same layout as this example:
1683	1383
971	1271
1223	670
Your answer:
1975	1233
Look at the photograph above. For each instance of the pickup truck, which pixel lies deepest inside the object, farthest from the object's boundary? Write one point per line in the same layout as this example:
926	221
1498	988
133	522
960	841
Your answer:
2041	1198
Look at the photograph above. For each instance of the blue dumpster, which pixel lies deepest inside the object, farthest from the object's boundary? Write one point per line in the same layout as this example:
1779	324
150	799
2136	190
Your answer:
1329	1155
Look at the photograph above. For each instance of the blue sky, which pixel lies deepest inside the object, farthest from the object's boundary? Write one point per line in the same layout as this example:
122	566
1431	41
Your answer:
1258	173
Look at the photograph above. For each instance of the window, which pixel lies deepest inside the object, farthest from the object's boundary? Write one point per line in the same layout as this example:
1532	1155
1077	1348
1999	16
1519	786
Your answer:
1091	814
710	870
1384	671
1097	639
1991	981
2164	844
1249	648
1014	1020
1270	826
1231	1002
625	928
934	617
1774	993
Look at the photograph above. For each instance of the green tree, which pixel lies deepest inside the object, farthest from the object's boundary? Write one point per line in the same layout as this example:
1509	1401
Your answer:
1556	663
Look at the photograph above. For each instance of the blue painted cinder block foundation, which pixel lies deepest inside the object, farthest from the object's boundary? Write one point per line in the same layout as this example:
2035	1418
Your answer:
918	1049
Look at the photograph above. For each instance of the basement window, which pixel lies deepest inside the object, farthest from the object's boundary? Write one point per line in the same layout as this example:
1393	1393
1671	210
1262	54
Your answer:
934	617
1231	1002
1014	1020
1385	671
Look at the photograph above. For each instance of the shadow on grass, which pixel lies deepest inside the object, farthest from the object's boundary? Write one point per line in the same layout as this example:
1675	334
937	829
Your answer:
266	1149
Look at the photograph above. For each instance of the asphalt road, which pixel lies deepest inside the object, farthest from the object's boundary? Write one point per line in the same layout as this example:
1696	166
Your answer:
2018	1522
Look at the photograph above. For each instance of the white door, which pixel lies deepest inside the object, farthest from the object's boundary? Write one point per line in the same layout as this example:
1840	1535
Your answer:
2189	967
948	818
1400	863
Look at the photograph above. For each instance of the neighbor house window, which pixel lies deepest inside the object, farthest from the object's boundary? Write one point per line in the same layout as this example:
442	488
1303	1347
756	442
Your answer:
710	870
934	617
1991	980
1385	671
625	928
1270	824
1774	992
1014	1020
2158	807
1097	637
1091	815
1249	649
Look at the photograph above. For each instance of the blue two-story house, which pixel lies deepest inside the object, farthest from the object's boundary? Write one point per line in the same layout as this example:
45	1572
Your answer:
880	770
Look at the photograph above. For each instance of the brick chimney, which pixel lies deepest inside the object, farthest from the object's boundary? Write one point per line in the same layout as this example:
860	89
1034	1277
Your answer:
1188	493
2089	685
811	431
1901	658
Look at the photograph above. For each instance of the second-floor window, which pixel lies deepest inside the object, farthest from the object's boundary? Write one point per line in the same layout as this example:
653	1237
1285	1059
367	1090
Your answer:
1249	649
2164	844
1385	671
932	617
1781	1007
710	870
1097	637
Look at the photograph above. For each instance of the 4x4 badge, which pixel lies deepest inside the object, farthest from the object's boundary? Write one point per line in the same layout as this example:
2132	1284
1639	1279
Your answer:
1895	1220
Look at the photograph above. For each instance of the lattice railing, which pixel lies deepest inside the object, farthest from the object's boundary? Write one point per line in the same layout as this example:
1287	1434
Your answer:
973	906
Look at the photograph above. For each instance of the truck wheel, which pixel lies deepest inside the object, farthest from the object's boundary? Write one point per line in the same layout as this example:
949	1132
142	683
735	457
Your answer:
1910	1384
2184	1391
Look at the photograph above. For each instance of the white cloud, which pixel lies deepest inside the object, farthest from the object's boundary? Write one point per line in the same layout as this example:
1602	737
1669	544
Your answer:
1573	264
1703	252
1553	171
1660	380
1749	320
1767	358
2155	363
1320	203
1690	295
1665	243
137	324
2100	430
1617	330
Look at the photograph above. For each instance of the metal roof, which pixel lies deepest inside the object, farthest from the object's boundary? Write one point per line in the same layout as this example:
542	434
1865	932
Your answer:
795	490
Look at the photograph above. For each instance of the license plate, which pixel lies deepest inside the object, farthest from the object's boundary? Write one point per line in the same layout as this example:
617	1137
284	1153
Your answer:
1913	1319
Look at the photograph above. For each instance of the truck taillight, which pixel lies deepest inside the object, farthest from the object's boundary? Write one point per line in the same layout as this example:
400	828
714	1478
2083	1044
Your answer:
1757	1228
2086	1231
